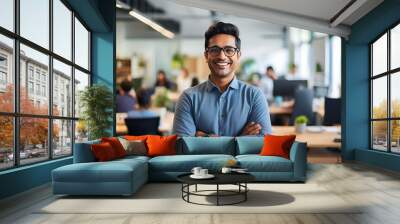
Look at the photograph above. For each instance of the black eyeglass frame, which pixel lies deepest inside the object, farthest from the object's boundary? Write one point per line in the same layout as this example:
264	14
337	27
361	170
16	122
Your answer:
223	49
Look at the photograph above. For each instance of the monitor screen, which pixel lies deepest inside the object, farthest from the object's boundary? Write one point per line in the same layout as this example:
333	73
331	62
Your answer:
287	88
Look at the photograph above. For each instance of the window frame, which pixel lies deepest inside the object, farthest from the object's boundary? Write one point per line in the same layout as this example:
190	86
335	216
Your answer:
16	114
388	74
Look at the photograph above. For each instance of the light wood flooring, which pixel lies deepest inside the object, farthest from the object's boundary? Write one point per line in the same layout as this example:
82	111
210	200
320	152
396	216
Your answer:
377	188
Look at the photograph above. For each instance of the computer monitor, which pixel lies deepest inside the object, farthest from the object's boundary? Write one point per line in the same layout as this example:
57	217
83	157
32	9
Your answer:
287	88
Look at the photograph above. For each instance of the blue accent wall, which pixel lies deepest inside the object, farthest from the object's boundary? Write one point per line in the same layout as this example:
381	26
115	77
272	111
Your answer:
99	16
355	78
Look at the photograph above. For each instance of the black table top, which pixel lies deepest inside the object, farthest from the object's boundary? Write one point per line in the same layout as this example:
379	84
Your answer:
220	178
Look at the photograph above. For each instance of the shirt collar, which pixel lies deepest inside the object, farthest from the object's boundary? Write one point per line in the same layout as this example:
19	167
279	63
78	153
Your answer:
234	84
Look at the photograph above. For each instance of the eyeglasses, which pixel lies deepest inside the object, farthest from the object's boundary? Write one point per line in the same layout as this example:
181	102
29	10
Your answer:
228	51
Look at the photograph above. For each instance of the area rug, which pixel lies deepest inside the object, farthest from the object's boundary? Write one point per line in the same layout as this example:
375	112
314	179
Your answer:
167	198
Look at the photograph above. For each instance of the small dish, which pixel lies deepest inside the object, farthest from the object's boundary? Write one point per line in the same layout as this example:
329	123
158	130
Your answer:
208	176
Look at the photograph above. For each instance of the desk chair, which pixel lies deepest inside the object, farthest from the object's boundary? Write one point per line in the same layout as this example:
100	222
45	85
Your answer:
303	105
143	126
332	111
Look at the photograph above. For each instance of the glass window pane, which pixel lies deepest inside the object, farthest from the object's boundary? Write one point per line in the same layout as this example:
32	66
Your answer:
33	139
6	74
62	89
379	135
7	14
379	55
395	47
395	136
62	29
35	21
81	45
81	131
379	98
81	81
34	97
62	141
6	142
395	94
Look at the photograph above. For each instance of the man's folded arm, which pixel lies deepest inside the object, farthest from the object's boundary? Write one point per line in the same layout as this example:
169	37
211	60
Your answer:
260	113
183	119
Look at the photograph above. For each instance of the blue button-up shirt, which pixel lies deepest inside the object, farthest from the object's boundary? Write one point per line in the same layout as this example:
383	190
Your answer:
205	108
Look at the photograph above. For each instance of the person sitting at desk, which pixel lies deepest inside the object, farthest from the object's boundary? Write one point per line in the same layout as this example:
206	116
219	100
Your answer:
125	99
223	105
144	100
162	80
267	84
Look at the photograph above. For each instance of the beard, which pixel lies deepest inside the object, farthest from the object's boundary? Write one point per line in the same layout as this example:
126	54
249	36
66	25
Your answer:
221	68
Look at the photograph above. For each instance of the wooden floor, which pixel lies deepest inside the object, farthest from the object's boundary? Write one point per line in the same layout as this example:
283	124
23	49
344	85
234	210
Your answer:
379	189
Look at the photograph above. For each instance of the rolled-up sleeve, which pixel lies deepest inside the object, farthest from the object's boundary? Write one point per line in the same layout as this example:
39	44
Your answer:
183	119
260	112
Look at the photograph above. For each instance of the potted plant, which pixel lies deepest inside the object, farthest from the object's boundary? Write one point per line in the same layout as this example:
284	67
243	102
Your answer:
301	123
96	102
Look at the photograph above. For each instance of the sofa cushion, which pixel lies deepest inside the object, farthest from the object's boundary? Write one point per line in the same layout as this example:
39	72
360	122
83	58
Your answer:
257	163
116	145
161	145
207	145
277	145
134	147
103	152
249	145
185	163
112	171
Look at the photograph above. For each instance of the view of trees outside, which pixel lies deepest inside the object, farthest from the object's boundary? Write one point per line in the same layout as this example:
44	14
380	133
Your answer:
34	79
33	131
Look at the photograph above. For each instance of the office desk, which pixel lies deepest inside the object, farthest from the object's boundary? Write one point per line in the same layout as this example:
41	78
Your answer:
324	139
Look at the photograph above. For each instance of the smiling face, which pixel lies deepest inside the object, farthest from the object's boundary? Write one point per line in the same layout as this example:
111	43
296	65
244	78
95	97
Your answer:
222	66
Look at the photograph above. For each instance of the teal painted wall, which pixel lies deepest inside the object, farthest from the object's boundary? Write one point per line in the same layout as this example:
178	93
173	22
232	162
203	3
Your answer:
355	131
103	53
99	15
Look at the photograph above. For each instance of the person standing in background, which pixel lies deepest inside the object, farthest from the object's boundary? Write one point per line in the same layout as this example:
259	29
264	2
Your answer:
267	83
293	73
184	80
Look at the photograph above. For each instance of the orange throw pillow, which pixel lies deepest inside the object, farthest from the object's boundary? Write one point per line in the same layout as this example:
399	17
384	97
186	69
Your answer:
161	145
103	152
135	138
277	145
116	145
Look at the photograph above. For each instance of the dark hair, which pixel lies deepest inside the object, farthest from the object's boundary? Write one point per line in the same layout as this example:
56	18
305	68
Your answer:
126	85
161	72
270	68
143	97
222	28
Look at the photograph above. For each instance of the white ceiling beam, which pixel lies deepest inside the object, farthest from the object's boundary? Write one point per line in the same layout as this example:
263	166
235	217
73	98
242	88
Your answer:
348	12
268	15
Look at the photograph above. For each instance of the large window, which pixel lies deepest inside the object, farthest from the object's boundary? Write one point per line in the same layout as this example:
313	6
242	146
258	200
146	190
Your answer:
385	95
44	64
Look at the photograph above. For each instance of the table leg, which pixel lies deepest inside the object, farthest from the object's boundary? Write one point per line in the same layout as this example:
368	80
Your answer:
196	188
245	193
217	194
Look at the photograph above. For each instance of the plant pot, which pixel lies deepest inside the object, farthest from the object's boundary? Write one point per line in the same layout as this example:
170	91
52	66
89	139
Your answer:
300	128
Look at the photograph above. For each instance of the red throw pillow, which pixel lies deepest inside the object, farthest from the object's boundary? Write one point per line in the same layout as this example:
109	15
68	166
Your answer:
116	145
103	152
161	145
277	145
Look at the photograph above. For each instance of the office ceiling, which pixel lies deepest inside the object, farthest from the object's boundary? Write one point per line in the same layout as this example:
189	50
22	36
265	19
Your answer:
189	18
326	16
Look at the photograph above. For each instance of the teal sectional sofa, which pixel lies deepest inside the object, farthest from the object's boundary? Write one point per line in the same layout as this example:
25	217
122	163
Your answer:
125	176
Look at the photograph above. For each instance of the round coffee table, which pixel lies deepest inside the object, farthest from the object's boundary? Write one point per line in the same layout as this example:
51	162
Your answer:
238	179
